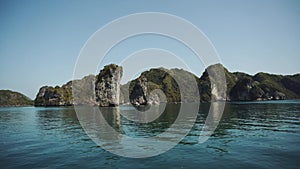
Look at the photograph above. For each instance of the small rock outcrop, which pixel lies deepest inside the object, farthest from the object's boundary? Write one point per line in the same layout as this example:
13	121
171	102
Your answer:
11	98
101	90
107	86
55	96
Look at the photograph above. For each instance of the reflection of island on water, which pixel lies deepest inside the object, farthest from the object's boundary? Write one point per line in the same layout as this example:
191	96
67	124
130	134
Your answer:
236	117
112	116
126	119
55	118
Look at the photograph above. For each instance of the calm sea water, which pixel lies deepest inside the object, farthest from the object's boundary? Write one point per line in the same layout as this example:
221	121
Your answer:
250	135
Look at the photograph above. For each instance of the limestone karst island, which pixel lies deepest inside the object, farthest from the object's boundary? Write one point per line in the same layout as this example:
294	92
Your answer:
109	92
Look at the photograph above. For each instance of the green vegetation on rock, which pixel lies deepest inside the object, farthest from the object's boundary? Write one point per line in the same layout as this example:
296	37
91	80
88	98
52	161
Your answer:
168	81
174	85
101	90
11	98
55	96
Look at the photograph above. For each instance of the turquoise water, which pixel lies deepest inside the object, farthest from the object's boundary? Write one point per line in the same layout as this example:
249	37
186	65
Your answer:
250	135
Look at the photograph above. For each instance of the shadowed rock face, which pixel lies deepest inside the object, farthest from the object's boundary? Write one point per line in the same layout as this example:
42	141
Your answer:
107	86
247	89
244	87
84	91
139	92
54	96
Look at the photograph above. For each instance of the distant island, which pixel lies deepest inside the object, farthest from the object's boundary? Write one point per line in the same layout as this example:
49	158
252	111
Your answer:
12	98
109	92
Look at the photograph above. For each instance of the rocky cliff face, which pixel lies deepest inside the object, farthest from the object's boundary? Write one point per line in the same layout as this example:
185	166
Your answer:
215	91
11	98
162	85
262	86
175	85
55	96
139	94
102	90
211	85
246	89
83	91
107	86
239	86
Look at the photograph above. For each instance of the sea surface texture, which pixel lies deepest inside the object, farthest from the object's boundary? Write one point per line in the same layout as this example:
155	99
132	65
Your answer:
262	134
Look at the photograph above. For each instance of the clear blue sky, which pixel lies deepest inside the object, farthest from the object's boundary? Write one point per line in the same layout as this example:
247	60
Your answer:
40	40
